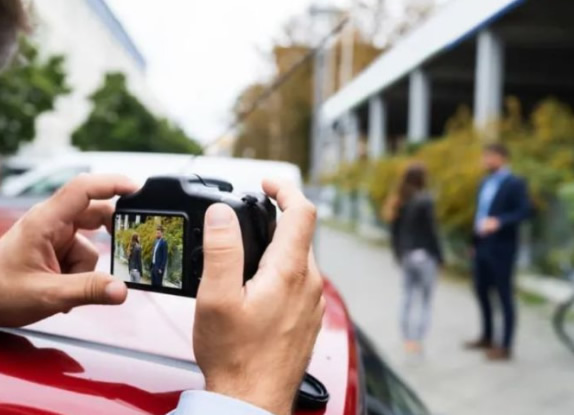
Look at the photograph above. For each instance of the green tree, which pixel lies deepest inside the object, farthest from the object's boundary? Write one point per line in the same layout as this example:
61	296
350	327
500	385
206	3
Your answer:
120	122
28	89
172	233
279	126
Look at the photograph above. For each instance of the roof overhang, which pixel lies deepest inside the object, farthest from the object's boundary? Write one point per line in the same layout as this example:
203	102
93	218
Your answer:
449	26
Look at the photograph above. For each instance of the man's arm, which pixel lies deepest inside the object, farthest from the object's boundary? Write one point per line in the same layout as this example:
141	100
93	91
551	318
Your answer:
521	209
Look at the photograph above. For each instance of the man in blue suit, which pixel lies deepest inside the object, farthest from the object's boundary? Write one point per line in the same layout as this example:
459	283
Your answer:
503	204
159	259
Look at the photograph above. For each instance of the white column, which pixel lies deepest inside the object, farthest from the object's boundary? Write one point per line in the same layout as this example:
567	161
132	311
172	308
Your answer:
377	127
338	143
351	137
419	106
489	87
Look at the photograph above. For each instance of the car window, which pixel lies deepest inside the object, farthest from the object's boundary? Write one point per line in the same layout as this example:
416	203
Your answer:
385	392
47	185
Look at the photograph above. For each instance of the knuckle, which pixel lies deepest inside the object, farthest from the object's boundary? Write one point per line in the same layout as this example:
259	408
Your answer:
92	254
91	291
81	181
322	305
293	271
317	287
219	249
51	298
32	224
212	306
306	212
310	210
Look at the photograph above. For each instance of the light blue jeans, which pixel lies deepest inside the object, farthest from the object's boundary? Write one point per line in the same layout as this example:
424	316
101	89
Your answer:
419	279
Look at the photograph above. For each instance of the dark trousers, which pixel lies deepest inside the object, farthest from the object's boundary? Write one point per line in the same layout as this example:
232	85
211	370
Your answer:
492	275
156	277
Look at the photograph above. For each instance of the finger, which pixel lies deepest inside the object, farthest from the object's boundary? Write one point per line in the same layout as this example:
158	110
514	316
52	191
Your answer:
98	213
82	256
88	288
293	236
223	255
75	197
286	193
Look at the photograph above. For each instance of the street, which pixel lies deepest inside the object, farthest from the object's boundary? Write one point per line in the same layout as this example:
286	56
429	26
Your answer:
121	271
540	379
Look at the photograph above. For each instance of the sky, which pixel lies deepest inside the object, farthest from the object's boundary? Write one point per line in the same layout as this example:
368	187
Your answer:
202	53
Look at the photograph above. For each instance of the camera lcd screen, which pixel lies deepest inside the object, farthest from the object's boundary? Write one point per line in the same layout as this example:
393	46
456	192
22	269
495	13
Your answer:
148	250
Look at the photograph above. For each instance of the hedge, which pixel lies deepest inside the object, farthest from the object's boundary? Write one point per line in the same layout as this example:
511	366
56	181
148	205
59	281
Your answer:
542	148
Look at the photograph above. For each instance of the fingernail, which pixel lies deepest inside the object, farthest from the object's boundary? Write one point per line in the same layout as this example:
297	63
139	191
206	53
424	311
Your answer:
218	216
114	290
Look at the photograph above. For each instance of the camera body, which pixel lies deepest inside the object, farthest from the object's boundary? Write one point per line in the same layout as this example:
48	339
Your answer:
170	258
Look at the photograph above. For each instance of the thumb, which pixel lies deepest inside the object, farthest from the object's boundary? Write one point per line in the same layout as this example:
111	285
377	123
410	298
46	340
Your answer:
222	255
91	288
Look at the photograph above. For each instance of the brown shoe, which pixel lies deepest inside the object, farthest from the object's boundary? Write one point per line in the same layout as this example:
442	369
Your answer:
478	345
498	354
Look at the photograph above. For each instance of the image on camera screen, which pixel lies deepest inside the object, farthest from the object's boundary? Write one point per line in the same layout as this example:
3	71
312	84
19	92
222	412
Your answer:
148	249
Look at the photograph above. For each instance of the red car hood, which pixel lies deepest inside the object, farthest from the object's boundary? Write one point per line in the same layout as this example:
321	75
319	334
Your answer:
137	358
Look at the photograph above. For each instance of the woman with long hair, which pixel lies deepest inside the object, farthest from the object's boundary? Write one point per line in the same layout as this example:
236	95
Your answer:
416	247
135	259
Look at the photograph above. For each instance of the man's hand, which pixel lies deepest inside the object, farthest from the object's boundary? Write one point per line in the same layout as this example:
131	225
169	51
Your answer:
489	226
254	342
46	267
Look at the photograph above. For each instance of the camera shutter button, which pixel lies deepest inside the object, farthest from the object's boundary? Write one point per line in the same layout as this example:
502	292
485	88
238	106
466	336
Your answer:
250	199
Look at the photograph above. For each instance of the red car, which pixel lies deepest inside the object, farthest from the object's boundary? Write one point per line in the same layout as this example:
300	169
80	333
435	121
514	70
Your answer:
137	358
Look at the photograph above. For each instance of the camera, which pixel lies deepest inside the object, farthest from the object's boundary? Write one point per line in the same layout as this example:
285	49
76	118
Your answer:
157	238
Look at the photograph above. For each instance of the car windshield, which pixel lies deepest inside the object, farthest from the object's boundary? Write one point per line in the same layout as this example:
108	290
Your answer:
49	184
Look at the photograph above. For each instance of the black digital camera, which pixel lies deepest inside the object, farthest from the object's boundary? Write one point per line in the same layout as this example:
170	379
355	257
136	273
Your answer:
157	236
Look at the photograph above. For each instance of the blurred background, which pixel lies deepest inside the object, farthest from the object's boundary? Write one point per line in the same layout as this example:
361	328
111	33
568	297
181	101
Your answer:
349	92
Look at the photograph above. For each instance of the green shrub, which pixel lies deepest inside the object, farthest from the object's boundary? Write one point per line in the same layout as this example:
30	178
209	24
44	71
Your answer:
542	152
172	233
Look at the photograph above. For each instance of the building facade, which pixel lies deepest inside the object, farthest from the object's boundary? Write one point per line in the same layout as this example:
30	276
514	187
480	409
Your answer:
469	52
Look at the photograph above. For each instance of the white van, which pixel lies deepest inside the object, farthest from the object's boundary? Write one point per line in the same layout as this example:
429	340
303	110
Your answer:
243	174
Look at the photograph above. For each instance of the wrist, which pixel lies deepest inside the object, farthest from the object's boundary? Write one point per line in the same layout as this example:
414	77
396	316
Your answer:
272	398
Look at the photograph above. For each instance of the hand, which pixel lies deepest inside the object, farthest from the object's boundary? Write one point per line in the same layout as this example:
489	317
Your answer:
488	226
254	342
46	267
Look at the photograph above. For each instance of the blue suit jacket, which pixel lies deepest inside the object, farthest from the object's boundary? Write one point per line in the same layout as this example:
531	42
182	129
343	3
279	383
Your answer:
511	206
161	255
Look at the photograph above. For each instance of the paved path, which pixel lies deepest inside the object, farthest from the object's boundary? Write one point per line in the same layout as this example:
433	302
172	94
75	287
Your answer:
452	381
121	271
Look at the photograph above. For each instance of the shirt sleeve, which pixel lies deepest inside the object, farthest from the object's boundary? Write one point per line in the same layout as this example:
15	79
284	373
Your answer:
202	402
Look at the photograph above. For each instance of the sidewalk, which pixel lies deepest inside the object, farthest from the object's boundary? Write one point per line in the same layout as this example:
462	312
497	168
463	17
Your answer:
451	381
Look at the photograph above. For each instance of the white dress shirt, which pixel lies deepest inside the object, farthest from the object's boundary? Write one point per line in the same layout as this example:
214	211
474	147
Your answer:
155	250
204	403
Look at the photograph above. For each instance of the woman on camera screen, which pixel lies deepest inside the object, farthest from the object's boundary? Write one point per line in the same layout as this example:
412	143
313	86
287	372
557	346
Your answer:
135	259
